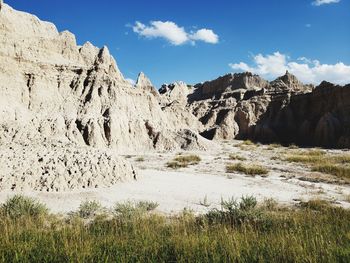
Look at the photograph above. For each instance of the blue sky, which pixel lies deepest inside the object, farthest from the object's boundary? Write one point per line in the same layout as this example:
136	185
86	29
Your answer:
266	37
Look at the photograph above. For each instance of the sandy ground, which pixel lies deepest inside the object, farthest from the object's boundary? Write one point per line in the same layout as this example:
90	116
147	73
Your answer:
175	190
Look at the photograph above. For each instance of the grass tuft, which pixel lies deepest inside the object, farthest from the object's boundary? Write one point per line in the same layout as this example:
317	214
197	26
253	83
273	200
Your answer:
320	161
182	161
237	157
19	206
89	209
247	169
131	209
333	169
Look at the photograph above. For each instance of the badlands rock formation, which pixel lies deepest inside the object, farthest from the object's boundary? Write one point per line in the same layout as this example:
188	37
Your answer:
57	96
245	106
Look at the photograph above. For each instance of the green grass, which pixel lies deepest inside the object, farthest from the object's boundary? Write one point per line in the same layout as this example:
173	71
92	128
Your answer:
250	169
182	161
241	231
89	209
130	209
19	206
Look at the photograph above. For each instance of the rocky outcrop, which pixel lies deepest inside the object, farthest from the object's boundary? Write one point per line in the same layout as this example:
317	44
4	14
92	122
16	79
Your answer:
57	167
143	82
53	90
244	106
318	118
75	93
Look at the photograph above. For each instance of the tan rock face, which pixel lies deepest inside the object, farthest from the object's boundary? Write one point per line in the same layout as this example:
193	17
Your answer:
55	91
244	106
75	93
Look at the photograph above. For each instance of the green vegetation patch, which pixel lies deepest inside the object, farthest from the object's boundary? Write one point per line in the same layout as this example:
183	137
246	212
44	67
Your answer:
182	161
19	206
249	169
240	231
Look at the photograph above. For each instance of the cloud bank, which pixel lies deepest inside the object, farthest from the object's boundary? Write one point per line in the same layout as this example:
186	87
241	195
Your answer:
173	33
324	2
308	71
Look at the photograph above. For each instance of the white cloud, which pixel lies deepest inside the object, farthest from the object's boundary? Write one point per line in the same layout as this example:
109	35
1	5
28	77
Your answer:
173	33
206	35
324	2
308	71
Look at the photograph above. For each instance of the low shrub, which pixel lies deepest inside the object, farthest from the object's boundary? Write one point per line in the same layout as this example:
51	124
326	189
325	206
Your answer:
182	161
89	209
237	157
247	169
20	206
134	209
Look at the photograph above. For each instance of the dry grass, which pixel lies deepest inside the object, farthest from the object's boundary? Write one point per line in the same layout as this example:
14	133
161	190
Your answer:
140	159
237	157
274	146
347	198
333	169
320	161
250	169
238	232
182	161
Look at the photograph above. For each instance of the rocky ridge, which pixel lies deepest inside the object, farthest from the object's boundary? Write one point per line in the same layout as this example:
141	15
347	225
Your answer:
54	92
245	106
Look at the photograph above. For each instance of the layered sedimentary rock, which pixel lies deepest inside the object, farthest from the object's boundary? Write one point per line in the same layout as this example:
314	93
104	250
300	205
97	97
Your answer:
54	92
244	106
320	117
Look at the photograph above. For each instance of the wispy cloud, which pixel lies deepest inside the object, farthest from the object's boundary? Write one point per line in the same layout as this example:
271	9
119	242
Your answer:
173	33
308	71
324	2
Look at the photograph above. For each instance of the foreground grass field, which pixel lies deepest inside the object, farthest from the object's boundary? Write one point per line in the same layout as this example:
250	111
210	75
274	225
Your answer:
238	232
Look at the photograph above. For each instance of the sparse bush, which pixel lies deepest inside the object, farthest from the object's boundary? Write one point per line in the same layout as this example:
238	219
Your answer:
134	209
248	203
147	205
140	159
269	204
316	204
237	157
89	209
236	213
20	206
246	169
182	161
176	165
190	159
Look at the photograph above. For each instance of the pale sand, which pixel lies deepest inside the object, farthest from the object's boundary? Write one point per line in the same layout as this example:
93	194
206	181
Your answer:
188	187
